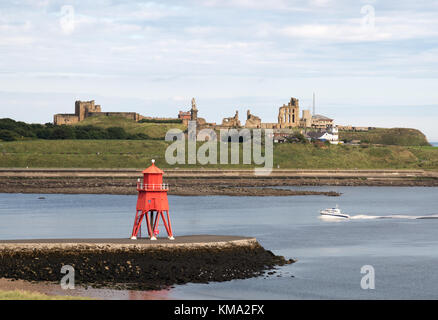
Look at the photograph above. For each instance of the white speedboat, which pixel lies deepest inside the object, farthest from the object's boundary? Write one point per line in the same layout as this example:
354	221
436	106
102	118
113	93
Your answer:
334	212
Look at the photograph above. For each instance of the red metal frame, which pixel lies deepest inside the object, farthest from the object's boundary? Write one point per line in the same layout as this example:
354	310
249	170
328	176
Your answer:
152	202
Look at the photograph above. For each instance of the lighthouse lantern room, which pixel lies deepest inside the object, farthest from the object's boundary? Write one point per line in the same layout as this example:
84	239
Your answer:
152	204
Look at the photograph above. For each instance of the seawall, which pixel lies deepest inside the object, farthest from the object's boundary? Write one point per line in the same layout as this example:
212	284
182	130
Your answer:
217	173
205	182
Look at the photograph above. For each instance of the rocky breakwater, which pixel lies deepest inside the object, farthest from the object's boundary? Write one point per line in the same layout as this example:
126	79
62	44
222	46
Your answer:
137	265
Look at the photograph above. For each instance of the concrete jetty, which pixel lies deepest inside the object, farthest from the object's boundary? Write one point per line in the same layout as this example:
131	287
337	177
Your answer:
188	242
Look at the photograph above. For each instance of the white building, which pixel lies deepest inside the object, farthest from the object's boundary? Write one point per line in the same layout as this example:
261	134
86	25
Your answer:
331	135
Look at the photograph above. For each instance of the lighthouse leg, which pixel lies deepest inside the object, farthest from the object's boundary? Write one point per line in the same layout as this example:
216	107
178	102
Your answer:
155	225
134	228
168	228
156	221
137	223
148	222
152	220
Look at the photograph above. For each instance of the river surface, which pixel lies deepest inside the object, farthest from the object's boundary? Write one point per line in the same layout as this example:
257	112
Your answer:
387	231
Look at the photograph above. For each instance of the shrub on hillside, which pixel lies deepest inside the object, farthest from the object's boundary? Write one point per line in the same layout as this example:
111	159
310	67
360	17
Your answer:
297	138
91	132
13	130
63	132
139	136
19	128
117	133
7	135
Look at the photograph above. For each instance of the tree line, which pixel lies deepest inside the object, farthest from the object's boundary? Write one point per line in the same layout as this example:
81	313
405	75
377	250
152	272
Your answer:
11	130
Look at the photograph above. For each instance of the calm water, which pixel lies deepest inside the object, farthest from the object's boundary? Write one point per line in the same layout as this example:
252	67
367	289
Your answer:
402	249
435	144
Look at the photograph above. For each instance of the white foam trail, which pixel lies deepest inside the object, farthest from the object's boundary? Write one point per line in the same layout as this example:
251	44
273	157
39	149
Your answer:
394	216
362	216
330	218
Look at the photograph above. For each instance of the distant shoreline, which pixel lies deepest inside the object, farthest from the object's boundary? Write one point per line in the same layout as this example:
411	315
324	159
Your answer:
205	182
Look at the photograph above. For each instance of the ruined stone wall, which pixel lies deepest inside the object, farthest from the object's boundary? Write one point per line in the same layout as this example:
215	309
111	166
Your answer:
128	115
267	125
232	121
252	121
60	119
157	118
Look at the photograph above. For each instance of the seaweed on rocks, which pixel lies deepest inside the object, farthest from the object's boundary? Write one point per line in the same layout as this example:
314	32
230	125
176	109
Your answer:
138	268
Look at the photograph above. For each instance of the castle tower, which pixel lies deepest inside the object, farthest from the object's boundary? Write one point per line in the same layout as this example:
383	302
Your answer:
152	203
82	108
306	119
193	111
288	115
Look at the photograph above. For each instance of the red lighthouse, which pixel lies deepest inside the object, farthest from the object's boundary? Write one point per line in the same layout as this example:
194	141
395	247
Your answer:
152	203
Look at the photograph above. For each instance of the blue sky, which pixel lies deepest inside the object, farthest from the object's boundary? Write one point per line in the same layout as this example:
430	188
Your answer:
372	63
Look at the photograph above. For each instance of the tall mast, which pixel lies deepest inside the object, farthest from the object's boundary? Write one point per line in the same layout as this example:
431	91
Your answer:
314	103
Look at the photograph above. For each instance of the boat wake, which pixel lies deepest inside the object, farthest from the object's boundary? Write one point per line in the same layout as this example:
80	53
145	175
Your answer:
394	216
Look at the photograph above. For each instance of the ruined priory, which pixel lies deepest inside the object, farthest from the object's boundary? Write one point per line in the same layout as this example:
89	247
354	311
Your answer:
288	117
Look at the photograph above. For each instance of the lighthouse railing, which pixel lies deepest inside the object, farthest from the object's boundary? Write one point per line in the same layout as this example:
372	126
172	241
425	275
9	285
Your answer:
153	187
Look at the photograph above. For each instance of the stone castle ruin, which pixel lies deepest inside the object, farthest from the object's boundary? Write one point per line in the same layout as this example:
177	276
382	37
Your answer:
288	117
192	115
85	109
252	121
232	122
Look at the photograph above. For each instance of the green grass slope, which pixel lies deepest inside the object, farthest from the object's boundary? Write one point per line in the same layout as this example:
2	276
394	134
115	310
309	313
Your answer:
153	130
355	157
138	153
394	136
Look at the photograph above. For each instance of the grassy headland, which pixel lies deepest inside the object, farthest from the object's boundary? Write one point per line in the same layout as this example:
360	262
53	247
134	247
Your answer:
386	148
394	136
138	153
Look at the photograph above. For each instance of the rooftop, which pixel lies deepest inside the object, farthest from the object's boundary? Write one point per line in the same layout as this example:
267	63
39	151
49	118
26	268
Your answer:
153	169
321	117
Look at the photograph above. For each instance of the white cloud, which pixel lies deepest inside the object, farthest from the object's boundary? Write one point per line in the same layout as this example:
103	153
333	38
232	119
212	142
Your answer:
16	41
201	30
257	4
11	27
320	3
340	33
154	11
386	28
